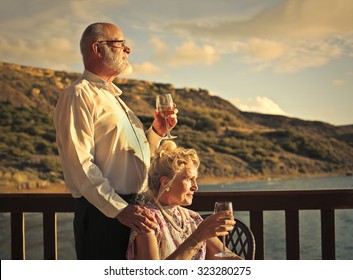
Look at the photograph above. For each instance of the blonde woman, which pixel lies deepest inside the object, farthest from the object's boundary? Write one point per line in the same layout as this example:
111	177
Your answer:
181	234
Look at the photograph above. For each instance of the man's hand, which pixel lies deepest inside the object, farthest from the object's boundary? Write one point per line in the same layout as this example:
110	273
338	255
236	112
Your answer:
159	122
138	218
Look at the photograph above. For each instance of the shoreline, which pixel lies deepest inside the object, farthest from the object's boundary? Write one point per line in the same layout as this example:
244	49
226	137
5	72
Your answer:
218	180
60	188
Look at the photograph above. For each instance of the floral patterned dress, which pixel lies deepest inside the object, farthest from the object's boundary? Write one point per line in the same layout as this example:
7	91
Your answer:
169	238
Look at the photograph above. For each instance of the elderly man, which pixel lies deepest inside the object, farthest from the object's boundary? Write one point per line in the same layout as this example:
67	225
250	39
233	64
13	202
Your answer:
104	151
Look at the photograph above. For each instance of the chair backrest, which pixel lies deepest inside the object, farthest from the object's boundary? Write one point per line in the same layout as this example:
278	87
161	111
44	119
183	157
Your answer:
241	240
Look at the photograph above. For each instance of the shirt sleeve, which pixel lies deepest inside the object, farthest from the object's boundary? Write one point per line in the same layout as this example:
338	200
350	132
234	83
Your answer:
74	122
153	139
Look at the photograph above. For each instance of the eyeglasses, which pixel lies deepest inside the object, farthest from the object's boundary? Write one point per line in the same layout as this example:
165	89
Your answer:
123	43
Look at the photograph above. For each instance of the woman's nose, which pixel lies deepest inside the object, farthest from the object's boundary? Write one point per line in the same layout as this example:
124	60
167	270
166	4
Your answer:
195	187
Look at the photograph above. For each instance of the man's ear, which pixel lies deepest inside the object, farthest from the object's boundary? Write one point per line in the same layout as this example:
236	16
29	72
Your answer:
97	49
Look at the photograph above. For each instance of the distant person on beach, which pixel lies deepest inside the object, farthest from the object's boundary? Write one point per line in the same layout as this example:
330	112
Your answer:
104	150
181	234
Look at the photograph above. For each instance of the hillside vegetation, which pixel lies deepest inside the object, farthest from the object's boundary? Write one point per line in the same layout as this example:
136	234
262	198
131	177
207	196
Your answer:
232	144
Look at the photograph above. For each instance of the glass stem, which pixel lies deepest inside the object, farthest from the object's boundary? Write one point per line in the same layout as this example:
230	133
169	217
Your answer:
224	244
167	126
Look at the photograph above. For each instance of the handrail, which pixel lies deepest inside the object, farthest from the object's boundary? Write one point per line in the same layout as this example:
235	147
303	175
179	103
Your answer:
49	205
254	202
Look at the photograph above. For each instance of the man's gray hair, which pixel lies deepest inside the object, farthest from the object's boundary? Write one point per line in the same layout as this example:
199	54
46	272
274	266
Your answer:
94	32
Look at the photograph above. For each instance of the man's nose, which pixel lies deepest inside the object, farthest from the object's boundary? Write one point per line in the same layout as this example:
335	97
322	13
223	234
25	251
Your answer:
127	50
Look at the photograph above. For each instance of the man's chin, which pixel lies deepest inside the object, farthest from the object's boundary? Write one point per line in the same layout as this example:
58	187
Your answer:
127	70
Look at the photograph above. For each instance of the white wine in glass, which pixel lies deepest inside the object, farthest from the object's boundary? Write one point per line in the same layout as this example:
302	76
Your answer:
219	207
164	105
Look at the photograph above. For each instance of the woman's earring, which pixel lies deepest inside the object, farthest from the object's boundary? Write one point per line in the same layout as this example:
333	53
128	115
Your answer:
167	189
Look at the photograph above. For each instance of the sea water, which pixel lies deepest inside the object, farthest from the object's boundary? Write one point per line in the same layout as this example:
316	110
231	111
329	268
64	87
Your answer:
274	223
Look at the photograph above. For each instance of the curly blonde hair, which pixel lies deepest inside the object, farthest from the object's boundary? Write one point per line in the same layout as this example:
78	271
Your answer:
169	160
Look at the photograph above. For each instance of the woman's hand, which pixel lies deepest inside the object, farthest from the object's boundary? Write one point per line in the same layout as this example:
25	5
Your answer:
218	224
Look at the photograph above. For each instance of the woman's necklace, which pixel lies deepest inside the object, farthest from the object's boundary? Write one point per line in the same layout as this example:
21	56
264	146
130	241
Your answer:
170	219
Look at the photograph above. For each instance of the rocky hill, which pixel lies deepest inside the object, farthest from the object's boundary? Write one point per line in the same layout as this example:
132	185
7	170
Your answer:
232	144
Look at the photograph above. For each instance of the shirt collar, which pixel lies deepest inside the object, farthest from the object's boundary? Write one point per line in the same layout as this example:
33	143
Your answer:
101	84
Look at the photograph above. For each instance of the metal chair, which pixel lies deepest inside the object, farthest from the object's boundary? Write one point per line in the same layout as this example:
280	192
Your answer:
240	240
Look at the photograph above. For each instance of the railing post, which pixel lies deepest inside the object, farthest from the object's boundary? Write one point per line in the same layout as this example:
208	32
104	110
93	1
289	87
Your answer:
18	247
50	236
328	234
292	235
257	227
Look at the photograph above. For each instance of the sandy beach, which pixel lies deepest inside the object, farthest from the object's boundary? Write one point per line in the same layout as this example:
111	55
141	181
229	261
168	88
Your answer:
32	188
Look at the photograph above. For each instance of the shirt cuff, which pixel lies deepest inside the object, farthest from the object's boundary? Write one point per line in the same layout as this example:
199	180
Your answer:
153	139
113	208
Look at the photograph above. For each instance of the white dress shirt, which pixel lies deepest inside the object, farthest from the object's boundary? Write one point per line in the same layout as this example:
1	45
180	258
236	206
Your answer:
103	148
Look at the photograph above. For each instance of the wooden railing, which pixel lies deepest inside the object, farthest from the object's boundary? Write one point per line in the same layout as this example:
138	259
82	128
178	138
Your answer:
254	202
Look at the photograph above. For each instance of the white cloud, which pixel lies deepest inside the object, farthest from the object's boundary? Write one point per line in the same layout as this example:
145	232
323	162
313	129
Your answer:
145	68
56	53
264	49
290	19
339	82
286	56
310	54
45	33
259	104
289	37
40	38
159	45
188	53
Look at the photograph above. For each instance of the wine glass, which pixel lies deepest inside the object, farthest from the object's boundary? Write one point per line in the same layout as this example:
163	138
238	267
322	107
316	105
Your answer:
219	207
164	105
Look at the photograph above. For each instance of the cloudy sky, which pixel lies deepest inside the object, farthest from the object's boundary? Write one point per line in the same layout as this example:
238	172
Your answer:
287	57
